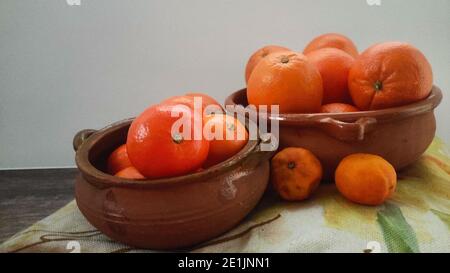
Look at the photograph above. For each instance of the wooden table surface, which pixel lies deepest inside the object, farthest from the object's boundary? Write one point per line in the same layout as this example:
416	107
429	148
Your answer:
27	196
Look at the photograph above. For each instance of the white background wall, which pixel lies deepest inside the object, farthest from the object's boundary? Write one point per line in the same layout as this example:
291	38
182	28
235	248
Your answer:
64	68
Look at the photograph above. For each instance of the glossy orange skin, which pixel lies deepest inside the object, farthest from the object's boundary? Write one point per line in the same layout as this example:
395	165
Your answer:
388	75
334	66
334	40
221	150
206	99
295	173
153	150
118	160
286	79
259	55
365	179
130	173
188	100
338	108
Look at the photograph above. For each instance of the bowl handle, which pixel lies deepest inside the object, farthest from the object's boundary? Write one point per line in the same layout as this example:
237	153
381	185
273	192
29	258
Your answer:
348	131
259	155
81	136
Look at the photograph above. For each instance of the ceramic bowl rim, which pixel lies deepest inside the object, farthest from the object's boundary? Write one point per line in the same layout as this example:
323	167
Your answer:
92	174
416	108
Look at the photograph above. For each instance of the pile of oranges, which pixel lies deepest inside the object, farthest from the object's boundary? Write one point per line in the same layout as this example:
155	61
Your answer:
153	150
330	76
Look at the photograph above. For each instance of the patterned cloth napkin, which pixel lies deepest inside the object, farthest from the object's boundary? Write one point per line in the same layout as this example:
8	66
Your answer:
415	219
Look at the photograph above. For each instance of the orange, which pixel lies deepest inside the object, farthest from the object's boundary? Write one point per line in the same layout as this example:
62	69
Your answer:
389	74
295	173
334	40
118	160
286	79
259	55
224	148
338	108
365	179
333	65
130	173
188	100
206	99
158	151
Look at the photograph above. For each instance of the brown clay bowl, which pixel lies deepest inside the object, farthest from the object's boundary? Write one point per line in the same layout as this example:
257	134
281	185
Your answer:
165	213
399	134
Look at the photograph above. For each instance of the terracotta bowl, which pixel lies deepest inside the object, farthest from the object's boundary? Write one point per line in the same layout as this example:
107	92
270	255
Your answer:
165	213
399	134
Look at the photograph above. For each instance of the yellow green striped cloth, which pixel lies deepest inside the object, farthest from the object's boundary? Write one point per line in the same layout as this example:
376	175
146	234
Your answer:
415	219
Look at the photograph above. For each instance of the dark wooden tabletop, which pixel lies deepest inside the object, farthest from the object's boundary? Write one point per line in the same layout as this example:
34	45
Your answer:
27	196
